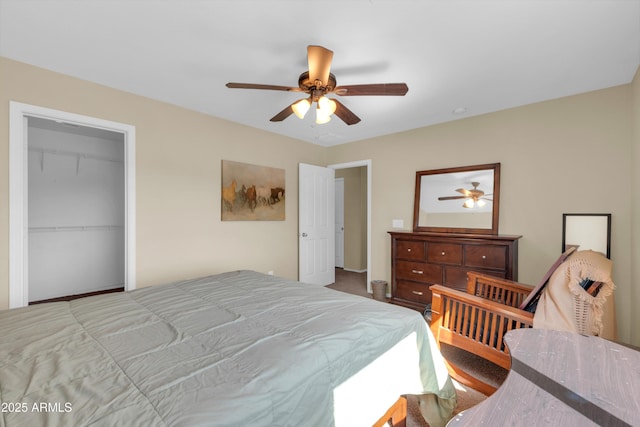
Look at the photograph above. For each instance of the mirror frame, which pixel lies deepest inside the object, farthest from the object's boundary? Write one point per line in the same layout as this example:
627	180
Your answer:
495	167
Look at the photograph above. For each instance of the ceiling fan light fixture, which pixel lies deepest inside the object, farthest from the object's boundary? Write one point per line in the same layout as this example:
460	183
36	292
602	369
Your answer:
322	117
301	107
317	82
468	203
481	203
326	107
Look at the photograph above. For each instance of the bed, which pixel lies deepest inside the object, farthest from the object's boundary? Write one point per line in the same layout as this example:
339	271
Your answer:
234	349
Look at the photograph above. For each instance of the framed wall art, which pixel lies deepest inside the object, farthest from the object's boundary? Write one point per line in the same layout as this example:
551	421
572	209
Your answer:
252	193
587	231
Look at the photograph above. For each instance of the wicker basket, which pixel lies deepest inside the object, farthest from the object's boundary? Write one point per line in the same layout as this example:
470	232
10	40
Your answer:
379	289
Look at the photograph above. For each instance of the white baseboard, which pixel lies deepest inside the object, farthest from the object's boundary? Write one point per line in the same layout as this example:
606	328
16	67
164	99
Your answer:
355	271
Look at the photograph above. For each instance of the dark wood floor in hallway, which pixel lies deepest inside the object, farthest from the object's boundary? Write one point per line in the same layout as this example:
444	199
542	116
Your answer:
351	282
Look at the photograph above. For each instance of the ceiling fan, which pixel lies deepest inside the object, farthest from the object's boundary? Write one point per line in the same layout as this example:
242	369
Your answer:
474	196
318	82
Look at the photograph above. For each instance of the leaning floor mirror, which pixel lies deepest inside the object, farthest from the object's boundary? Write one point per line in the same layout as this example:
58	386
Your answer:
458	200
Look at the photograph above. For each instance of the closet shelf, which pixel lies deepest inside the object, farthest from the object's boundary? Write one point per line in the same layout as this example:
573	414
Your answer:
57	229
75	154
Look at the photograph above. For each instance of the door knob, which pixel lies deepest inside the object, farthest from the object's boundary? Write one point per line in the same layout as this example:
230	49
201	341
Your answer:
304	234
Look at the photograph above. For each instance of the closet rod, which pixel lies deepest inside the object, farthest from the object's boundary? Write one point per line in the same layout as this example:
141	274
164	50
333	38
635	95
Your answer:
56	229
74	154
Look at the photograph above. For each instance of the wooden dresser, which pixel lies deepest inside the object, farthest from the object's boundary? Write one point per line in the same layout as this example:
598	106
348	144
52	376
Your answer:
419	260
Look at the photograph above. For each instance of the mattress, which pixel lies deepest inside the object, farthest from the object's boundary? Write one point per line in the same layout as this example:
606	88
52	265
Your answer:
235	349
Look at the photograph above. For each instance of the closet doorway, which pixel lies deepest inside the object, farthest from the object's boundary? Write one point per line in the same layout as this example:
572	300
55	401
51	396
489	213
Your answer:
72	213
357	210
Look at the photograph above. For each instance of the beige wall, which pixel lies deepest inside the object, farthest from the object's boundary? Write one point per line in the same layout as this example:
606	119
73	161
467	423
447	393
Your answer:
635	211
178	160
563	156
575	154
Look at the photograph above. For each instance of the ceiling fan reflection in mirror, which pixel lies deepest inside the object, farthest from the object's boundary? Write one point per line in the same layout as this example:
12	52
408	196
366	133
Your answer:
318	82
474	196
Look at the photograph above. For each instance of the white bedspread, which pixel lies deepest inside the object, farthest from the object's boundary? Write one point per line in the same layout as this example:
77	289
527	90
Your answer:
235	349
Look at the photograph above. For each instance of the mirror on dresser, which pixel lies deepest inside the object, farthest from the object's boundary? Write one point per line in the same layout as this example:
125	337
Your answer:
462	199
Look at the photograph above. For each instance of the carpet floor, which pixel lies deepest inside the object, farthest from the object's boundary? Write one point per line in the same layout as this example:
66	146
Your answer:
356	283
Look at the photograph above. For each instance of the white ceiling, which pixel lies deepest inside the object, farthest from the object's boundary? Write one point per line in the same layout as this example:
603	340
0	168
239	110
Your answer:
480	55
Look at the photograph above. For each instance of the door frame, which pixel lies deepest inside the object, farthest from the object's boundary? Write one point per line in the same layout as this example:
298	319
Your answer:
339	209
18	193
367	164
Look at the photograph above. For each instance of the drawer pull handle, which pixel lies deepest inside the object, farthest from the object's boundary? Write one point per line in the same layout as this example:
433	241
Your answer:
443	253
417	292
484	257
417	271
409	250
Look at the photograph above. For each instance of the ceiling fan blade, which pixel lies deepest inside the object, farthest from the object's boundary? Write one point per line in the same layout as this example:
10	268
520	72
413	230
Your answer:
464	191
282	114
319	59
377	89
345	114
261	86
452	197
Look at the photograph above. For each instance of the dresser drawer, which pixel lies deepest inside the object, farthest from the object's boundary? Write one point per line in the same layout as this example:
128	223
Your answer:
420	271
444	253
485	256
413	291
456	278
410	249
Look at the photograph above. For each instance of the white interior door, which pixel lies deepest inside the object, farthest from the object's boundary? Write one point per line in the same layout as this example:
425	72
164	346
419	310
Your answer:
316	239
339	221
